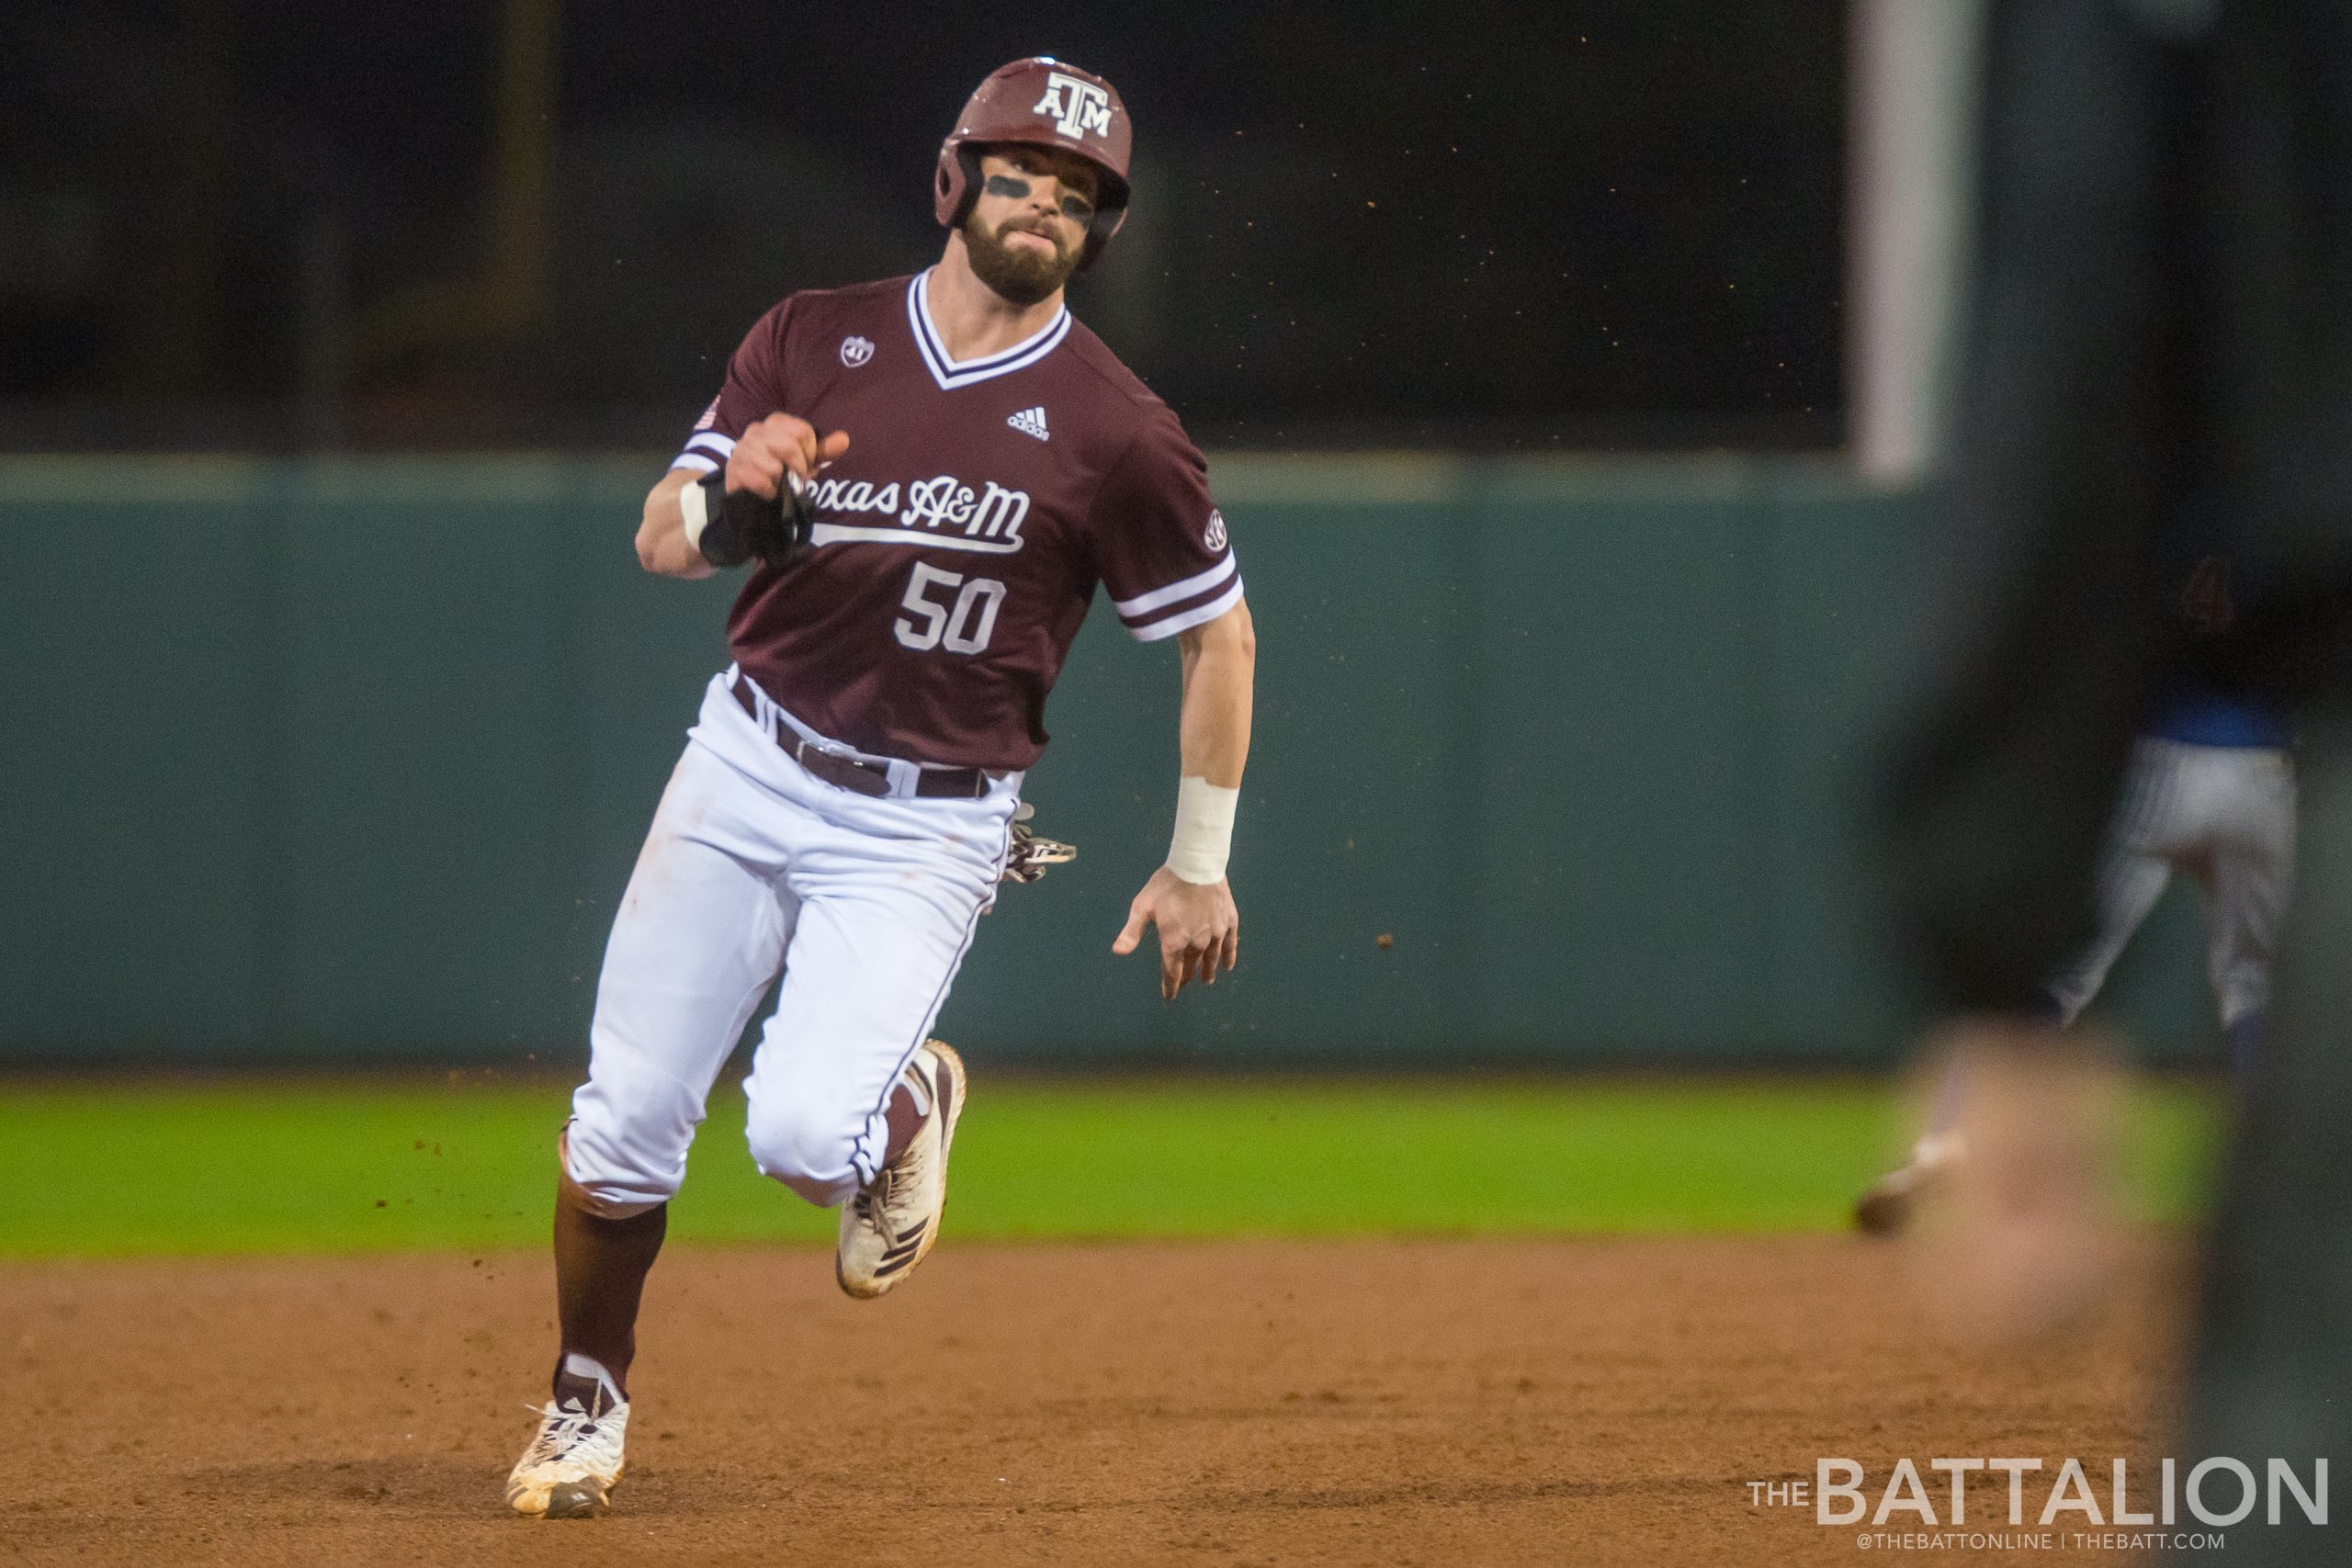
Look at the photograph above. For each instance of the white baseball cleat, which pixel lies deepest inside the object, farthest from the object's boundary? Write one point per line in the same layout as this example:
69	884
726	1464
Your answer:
890	1224
1894	1199
571	1468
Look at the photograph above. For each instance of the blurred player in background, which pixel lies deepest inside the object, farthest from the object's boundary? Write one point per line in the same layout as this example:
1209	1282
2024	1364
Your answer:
2162	325
2208	792
929	476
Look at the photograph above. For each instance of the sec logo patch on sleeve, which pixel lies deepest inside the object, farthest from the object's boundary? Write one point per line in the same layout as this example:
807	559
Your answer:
1213	534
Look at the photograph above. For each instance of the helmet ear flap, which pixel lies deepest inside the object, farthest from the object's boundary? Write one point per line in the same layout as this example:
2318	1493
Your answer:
955	184
1098	234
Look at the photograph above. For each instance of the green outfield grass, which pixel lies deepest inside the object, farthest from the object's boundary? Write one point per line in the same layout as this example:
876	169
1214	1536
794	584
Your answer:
112	1168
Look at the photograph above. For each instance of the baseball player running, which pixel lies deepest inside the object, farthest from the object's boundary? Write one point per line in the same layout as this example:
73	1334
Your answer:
2208	792
927	477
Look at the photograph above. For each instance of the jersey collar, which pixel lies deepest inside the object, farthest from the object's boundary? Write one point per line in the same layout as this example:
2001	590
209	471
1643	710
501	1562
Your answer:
951	374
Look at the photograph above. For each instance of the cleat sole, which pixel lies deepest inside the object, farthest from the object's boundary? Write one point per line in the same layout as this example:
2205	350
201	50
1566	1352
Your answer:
577	1500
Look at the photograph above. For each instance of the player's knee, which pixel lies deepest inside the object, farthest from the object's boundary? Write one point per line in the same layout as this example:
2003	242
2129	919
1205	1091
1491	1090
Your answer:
2241	983
603	1176
809	1147
606	1202
2243	998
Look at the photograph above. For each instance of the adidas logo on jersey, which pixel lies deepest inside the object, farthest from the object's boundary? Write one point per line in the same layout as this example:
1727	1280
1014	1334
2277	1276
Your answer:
1031	421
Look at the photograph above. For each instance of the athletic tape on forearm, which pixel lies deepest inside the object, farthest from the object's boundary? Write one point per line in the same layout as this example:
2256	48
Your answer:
693	506
1204	837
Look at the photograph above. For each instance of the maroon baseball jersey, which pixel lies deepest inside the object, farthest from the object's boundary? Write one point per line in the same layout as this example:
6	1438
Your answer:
958	541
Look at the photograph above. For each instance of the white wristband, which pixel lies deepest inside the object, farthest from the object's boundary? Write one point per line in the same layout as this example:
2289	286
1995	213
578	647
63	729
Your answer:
693	506
1203	836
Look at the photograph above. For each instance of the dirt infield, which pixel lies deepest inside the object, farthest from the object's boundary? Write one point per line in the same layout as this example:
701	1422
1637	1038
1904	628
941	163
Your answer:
1558	1401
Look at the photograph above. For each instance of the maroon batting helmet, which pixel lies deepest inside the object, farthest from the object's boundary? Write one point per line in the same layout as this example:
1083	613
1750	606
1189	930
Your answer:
1040	102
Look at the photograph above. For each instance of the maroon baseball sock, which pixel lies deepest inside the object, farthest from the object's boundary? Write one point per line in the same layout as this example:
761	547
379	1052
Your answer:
600	1268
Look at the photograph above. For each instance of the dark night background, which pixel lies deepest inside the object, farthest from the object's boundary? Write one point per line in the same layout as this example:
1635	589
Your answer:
280	224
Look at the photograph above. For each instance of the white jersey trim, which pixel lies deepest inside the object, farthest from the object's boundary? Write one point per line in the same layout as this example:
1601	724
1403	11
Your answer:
1199	582
1185	620
705	451
951	374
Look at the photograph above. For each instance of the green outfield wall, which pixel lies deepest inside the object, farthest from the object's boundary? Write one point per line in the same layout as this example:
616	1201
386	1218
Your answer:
1554	761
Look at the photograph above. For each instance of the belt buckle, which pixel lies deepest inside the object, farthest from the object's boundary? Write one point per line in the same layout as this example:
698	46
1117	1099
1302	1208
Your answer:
850	768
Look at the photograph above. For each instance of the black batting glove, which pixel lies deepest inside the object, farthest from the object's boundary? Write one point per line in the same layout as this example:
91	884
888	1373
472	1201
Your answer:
741	525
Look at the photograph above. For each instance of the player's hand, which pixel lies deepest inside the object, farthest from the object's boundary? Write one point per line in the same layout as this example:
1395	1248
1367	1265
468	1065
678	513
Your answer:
1200	930
778	445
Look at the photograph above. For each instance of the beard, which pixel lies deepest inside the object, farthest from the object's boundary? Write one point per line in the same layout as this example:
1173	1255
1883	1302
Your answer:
1023	277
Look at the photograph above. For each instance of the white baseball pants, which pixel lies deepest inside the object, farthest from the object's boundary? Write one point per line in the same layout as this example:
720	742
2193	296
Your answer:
865	904
2225	815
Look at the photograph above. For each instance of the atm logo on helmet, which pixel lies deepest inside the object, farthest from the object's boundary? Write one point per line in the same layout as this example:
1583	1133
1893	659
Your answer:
1078	107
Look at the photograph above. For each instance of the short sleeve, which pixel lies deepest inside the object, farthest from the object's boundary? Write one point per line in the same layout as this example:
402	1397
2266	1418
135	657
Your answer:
1160	542
753	391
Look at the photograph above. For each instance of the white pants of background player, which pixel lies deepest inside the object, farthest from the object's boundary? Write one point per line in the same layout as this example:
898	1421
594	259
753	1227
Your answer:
865	904
2224	815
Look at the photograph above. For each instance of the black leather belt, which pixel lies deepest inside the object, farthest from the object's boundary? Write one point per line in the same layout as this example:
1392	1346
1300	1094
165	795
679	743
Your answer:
864	778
